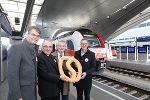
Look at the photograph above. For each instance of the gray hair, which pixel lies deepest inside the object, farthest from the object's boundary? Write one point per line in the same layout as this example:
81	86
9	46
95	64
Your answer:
35	28
44	42
61	41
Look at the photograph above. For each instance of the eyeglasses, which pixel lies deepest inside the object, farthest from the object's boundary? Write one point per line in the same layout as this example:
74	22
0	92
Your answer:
47	46
35	35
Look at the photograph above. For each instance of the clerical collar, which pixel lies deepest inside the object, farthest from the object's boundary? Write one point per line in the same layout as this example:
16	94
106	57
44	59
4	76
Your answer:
46	54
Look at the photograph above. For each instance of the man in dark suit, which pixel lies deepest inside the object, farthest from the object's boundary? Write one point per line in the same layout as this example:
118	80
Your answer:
64	86
48	74
87	60
22	67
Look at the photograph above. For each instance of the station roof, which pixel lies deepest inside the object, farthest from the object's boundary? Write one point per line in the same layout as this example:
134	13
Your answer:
101	16
56	16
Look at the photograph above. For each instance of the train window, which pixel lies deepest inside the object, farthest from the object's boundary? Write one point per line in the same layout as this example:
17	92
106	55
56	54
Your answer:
70	45
123	49
131	49
93	40
142	49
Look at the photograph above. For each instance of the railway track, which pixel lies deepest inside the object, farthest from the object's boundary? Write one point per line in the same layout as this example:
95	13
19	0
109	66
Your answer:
130	90
130	73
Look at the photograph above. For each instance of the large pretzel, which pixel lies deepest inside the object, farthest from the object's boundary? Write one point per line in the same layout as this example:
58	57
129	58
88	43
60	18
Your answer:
74	76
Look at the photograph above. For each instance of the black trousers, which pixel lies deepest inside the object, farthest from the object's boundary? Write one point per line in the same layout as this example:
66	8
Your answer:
52	98
86	93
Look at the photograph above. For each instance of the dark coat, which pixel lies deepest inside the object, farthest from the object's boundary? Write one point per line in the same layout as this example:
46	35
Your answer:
22	71
48	76
88	63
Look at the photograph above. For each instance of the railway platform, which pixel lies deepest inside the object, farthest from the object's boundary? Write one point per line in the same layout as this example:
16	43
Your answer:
98	92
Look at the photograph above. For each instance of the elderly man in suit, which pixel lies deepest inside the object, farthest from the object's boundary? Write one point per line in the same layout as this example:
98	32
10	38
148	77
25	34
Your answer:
48	74
64	86
22	67
87	60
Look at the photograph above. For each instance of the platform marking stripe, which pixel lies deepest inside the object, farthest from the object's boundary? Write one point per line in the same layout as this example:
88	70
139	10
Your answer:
108	92
116	89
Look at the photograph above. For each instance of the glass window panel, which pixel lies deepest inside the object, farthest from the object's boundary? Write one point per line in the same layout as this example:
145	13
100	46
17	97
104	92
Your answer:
21	7
36	9
9	7
12	14
20	1
39	2
7	2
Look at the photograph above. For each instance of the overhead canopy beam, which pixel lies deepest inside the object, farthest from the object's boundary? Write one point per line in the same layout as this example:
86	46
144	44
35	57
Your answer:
27	15
121	17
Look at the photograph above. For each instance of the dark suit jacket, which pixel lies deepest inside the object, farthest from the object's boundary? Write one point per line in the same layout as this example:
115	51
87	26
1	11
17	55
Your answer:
88	65
48	76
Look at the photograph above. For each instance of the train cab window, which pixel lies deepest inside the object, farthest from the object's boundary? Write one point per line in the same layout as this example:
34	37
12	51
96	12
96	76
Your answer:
93	40
70	45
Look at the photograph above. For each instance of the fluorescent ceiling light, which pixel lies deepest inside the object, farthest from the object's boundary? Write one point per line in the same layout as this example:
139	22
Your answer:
16	8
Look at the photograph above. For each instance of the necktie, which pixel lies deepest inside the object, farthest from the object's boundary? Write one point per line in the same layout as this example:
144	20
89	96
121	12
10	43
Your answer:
60	55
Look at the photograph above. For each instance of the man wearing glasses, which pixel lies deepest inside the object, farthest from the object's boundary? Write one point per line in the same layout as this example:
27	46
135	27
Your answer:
22	67
48	74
